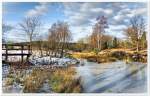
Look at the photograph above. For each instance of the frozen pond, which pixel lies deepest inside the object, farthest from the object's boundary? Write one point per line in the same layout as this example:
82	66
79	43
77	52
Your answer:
116	77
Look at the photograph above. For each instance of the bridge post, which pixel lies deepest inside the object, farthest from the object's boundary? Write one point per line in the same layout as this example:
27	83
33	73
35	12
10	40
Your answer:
22	53
6	56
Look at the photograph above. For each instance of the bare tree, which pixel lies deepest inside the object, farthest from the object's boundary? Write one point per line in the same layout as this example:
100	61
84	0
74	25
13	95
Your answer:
93	38
100	28
105	40
59	36
52	39
98	31
5	29
136	30
30	26
64	35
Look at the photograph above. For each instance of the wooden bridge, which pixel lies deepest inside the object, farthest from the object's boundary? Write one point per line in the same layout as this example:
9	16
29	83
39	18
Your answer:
16	46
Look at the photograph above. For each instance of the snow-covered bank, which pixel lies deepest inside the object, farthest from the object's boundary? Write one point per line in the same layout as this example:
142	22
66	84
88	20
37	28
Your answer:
53	61
10	75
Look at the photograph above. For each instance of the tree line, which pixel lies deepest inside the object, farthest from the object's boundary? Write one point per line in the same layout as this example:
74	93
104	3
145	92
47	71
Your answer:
59	36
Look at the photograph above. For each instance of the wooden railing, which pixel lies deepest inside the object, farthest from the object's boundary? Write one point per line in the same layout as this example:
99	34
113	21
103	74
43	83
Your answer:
21	47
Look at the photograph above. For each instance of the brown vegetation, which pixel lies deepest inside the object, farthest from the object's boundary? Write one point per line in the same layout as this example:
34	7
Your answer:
35	80
64	81
111	55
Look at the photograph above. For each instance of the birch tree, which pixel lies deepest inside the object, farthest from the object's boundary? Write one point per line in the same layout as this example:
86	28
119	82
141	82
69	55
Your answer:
136	30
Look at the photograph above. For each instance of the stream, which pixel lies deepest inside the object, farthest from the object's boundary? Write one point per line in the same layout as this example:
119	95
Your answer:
114	77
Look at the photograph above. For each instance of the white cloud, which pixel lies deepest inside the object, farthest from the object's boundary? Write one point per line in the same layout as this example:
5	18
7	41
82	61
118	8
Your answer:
118	14
80	32
38	10
128	12
124	14
139	11
18	37
119	27
97	10
82	13
115	33
118	17
108	11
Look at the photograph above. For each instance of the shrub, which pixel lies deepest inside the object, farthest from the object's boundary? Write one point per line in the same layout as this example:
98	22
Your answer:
96	50
118	54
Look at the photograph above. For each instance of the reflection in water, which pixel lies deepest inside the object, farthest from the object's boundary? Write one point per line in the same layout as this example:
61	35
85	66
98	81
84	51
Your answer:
114	77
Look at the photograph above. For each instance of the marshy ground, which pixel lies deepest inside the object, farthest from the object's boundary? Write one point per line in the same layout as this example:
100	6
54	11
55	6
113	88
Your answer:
86	72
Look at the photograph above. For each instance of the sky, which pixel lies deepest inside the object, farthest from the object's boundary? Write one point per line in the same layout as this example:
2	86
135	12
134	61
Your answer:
80	16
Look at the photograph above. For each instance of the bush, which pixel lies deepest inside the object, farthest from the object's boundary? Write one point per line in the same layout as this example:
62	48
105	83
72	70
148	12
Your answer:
118	54
96	50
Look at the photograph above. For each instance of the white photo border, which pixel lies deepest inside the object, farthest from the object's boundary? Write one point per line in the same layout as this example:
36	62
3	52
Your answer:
79	94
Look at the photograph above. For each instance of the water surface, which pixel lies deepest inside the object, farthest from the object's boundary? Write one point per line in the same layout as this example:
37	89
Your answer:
116	77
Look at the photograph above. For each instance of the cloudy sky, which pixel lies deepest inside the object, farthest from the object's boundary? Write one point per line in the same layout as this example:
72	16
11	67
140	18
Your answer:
80	16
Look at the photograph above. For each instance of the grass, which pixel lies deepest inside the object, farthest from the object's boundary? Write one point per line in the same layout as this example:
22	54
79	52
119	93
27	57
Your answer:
111	55
14	76
60	79
35	80
63	81
9	81
82	54
91	56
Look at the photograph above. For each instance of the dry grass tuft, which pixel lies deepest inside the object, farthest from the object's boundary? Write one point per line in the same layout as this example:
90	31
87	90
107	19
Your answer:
63	81
34	81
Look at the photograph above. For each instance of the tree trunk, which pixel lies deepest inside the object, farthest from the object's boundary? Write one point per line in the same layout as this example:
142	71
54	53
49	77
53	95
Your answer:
62	49
41	52
137	47
31	44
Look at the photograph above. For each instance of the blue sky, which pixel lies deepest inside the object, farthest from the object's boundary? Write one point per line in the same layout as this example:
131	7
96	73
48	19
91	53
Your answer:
80	16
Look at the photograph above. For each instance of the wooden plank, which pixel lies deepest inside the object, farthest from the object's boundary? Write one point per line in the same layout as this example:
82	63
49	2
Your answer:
15	54
15	44
14	49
